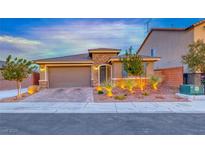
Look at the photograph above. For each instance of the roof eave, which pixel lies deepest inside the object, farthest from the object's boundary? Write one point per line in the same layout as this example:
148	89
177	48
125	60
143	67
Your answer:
154	59
158	29
64	62
91	52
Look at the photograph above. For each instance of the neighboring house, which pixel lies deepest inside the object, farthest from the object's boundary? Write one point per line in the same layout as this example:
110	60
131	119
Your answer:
84	70
1	65
6	85
170	44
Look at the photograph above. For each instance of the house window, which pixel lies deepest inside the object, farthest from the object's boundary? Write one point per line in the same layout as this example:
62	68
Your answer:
124	73
153	52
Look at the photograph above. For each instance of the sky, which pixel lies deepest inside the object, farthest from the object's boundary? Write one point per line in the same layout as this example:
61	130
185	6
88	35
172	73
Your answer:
36	38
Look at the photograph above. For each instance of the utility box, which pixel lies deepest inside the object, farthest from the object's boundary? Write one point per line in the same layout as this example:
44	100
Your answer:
190	89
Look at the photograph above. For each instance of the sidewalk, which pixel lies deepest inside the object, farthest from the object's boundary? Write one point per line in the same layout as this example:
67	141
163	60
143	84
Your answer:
144	107
10	93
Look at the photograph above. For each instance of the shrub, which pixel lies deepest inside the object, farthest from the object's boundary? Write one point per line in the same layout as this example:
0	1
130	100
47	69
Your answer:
141	83
154	81
33	89
130	84
121	84
100	92
120	97
108	87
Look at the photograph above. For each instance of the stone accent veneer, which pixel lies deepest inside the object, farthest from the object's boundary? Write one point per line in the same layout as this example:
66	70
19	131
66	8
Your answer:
99	59
43	84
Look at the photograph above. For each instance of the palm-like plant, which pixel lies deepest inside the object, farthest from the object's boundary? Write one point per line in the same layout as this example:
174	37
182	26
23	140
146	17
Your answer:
154	81
130	84
108	87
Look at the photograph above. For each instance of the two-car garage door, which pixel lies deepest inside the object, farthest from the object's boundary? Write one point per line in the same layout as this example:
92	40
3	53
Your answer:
69	76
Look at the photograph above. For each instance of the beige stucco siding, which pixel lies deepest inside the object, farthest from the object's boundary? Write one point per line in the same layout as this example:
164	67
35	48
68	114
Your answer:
43	72
149	69
117	69
169	46
199	32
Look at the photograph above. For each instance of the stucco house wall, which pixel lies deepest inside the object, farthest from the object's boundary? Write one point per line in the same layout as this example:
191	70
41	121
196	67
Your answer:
169	46
199	32
117	70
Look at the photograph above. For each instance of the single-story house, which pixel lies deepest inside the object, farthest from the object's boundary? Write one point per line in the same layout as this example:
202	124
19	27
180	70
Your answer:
90	69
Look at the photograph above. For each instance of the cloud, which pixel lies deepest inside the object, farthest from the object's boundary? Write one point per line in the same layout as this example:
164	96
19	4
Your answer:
18	46
80	36
73	38
18	40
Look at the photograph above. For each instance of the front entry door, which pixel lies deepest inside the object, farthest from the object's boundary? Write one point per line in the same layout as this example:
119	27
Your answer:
102	74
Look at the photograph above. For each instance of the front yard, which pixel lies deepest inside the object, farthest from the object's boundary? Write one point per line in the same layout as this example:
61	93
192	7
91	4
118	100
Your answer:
163	94
121	95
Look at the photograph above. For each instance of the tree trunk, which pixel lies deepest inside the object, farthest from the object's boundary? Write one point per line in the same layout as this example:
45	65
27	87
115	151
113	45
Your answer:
19	89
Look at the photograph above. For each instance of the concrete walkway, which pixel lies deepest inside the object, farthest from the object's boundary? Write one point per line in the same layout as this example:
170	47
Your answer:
145	107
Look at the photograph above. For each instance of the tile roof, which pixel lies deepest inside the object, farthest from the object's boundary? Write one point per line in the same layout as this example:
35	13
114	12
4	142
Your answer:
196	24
78	57
142	56
104	49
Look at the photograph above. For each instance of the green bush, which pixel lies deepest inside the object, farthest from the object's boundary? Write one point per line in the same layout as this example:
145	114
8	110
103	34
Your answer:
133	63
100	92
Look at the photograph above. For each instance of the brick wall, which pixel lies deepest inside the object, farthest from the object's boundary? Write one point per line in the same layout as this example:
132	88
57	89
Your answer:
172	77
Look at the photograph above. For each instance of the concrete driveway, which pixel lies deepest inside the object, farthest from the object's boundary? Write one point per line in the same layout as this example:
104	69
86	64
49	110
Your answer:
75	94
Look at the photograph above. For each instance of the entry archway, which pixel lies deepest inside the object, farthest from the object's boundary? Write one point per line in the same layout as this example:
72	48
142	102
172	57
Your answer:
104	73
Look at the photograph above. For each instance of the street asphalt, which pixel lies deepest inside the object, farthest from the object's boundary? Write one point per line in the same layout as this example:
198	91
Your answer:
102	123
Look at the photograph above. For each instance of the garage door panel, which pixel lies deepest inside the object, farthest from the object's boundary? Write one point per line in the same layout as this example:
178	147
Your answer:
75	76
